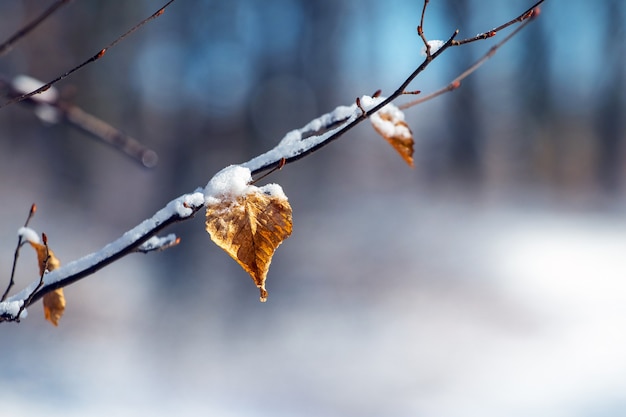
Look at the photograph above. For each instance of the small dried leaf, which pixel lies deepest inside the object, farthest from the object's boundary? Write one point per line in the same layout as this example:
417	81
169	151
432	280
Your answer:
389	123
54	306
249	228
44	252
53	302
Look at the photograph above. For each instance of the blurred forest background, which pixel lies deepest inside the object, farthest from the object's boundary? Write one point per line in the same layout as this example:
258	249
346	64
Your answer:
485	282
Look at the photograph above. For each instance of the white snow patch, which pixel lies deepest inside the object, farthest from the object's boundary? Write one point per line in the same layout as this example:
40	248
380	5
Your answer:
435	45
29	235
11	308
196	199
47	113
156	242
368	102
184	205
301	140
391	127
273	190
234	181
25	84
44	108
230	183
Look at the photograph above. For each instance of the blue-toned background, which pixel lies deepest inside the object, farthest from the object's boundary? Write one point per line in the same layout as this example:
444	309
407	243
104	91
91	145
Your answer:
489	281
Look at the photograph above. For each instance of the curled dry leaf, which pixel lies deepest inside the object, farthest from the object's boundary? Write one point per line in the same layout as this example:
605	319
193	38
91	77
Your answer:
53	302
389	123
249	227
54	306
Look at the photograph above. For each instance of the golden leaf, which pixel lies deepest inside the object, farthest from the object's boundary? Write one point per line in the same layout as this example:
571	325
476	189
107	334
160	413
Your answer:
249	227
54	306
53	302
389	123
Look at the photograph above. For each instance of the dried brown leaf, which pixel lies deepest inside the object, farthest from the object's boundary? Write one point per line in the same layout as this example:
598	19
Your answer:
54	306
250	228
53	302
389	123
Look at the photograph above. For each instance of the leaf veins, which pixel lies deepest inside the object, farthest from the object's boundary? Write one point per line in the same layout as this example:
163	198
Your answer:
250	228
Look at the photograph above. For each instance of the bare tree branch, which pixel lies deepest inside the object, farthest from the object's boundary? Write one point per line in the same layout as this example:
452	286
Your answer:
16	254
181	208
51	108
456	83
493	32
95	57
295	145
7	45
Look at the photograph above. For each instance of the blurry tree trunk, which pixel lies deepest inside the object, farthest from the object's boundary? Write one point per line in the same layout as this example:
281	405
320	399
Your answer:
464	150
537	111
611	110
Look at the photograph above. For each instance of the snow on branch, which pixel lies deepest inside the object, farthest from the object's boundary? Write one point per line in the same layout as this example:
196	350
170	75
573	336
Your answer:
136	239
268	204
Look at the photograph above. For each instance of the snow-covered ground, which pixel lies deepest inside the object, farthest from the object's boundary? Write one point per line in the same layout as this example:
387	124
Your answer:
399	305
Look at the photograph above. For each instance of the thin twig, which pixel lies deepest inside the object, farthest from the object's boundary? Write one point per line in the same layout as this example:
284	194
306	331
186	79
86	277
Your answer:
7	45
420	29
362	116
456	83
16	254
527	14
280	166
44	270
96	57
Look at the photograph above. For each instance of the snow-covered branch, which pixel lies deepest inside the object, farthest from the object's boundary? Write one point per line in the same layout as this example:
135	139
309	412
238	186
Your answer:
136	239
294	145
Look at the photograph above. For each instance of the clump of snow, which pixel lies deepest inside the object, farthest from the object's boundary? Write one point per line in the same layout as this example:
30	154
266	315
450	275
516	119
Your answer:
44	109
368	102
156	242
25	84
29	235
291	137
434	46
195	199
180	208
12	308
391	125
184	205
234	181
47	113
229	183
273	190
